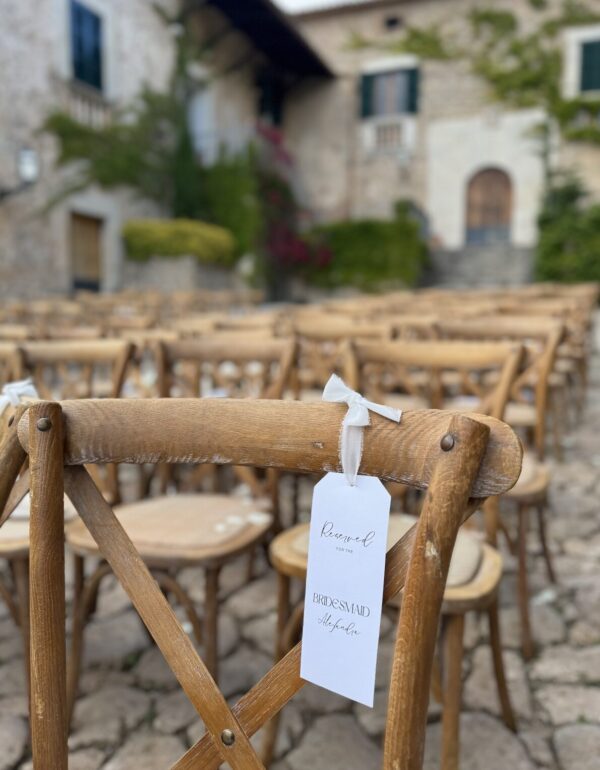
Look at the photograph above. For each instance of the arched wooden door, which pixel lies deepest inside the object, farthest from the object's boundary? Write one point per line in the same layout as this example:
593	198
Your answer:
489	206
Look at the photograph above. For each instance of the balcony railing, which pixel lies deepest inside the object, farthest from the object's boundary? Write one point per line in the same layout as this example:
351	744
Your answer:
85	104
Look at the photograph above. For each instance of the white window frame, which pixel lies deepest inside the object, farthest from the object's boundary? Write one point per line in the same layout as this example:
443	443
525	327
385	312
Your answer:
575	37
390	64
407	122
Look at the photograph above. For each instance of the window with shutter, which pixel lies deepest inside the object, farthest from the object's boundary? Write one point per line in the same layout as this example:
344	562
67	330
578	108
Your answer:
590	66
86	45
395	92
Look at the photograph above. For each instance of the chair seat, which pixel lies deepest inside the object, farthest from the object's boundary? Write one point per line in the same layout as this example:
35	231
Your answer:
311	395
520	415
289	550
480	590
14	533
405	401
565	365
557	380
462	403
533	481
183	528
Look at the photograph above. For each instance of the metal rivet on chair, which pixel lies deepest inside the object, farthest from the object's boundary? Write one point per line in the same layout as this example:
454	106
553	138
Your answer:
447	442
228	737
44	424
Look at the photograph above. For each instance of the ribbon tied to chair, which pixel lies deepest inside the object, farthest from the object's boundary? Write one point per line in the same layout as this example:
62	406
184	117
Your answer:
356	419
14	392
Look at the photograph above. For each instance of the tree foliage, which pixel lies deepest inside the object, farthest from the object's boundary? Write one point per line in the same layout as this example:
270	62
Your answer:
569	242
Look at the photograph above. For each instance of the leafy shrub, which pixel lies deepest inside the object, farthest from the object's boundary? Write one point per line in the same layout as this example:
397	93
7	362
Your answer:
370	253
569	241
145	238
231	197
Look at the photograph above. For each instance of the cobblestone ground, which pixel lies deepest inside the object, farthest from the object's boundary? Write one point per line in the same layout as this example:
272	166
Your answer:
131	715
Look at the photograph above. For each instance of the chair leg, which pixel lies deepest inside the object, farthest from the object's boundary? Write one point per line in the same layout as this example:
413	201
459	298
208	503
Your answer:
6	594
541	517
77	625
498	661
556	428
211	618
84	600
251	556
283	614
21	575
295	498
437	690
170	585
453	657
523	586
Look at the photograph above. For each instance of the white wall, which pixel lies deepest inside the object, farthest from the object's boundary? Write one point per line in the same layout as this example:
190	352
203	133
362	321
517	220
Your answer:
458	148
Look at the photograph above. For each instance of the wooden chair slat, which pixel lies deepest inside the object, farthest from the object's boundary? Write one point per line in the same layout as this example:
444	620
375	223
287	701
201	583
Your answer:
155	611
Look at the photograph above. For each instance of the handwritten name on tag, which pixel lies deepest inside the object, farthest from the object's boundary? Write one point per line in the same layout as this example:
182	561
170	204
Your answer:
344	585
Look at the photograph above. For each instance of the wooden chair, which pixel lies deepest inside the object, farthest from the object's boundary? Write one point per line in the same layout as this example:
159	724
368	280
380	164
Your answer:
530	494
528	407
58	369
162	528
11	363
84	368
459	461
378	370
11	332
321	343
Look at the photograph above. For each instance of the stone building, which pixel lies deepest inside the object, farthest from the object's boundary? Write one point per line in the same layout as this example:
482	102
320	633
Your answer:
395	126
366	124
89	58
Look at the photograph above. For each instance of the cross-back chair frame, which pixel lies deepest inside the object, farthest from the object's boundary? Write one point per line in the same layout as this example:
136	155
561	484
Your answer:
484	459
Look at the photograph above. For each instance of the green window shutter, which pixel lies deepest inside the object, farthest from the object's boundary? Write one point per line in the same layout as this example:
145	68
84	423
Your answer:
590	66
413	90
366	95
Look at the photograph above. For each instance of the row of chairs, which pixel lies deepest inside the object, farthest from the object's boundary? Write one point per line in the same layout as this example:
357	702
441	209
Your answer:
485	460
439	371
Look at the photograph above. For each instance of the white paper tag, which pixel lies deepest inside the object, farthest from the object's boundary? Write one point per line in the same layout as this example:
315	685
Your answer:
344	585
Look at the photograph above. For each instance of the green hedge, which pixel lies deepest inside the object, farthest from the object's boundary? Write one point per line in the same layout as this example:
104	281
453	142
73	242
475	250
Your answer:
372	253
145	238
569	240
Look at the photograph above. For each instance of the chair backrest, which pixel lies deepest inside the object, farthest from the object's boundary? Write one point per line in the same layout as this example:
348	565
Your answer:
541	338
12	332
11	363
64	369
436	371
225	364
322	339
477	458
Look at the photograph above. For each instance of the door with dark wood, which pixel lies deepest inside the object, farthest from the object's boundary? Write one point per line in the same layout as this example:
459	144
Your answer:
489	207
86	251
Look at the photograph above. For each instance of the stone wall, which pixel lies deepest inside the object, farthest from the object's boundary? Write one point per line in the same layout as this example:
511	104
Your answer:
35	67
473	266
175	274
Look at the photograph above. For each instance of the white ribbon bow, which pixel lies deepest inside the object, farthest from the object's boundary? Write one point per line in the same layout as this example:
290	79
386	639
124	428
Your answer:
14	392
357	417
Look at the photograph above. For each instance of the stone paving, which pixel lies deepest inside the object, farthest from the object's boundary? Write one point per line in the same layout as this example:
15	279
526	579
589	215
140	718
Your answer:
131	714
